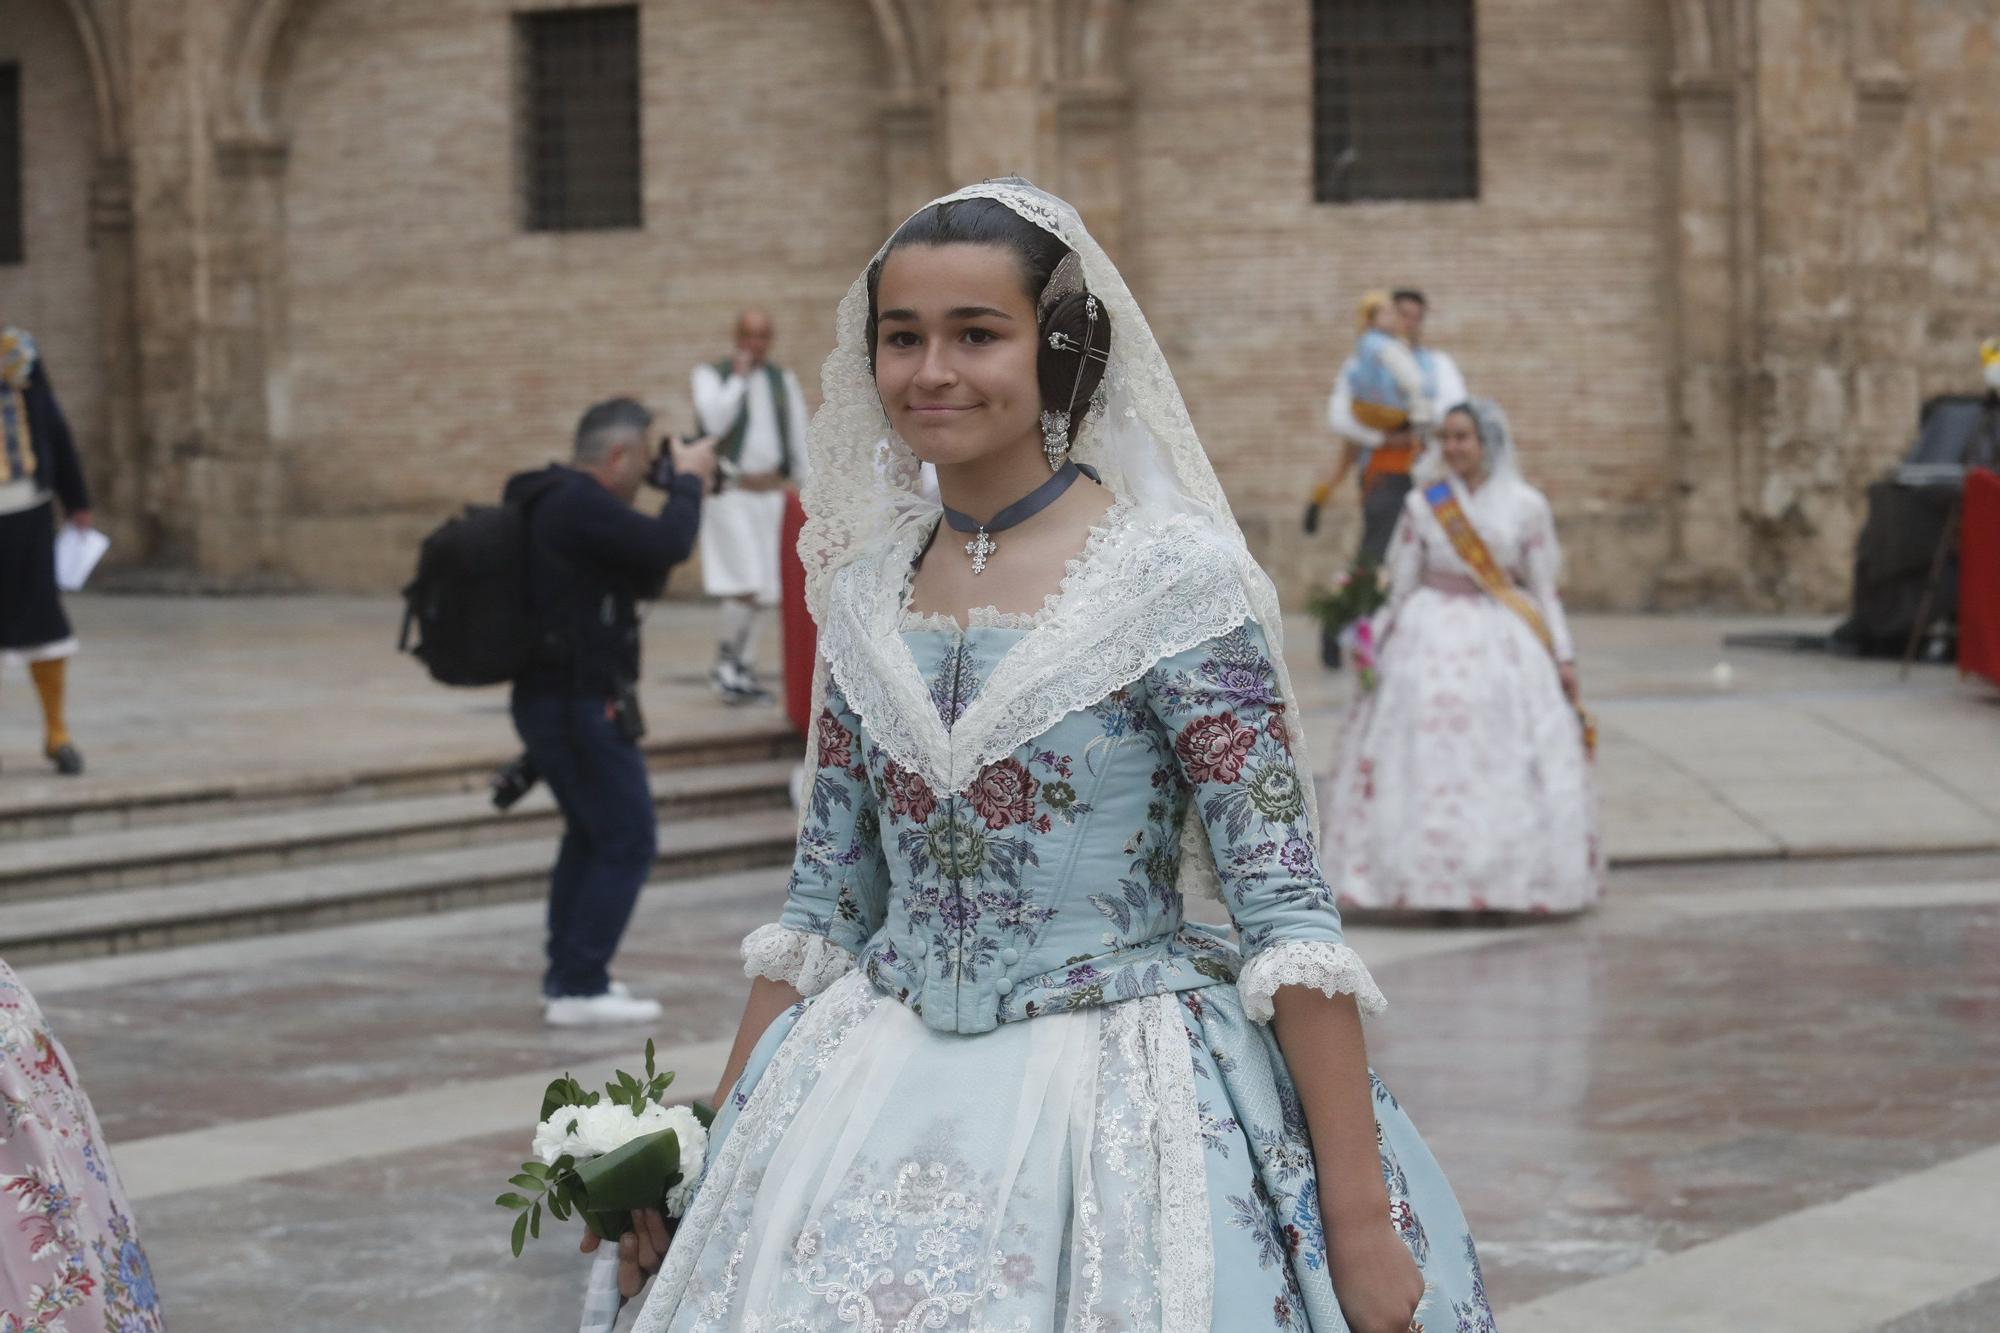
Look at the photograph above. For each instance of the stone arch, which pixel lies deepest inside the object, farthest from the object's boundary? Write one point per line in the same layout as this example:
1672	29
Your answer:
902	40
266	29
106	64
625	311
1700	38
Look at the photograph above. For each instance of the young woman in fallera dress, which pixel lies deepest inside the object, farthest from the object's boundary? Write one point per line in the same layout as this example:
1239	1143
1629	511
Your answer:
989	1078
1462	782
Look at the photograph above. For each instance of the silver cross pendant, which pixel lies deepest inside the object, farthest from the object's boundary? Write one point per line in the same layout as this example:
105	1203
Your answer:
979	548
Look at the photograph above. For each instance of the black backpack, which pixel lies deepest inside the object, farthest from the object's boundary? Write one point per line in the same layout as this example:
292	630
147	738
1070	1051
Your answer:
469	601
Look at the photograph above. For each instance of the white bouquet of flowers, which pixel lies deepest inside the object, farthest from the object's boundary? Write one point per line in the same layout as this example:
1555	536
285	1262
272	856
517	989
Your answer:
602	1157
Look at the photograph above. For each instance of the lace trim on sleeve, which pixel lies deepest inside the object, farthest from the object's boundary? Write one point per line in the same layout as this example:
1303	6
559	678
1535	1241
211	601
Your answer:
808	962
1330	969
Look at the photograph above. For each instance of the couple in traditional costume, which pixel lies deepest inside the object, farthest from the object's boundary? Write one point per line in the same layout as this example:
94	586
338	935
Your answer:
1463	778
990	1076
1387	396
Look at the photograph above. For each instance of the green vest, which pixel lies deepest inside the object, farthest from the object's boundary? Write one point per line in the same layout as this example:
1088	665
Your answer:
730	446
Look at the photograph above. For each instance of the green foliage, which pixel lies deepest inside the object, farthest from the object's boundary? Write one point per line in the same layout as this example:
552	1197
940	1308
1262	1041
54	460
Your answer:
1360	592
603	1191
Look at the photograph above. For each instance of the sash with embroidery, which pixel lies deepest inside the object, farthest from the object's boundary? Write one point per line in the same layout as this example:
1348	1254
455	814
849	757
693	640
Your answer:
1486	572
17	445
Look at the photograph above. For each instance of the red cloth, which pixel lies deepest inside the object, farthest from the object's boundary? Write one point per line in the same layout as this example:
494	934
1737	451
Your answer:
801	636
1979	576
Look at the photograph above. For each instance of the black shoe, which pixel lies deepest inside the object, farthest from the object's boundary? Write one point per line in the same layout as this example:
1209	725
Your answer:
67	761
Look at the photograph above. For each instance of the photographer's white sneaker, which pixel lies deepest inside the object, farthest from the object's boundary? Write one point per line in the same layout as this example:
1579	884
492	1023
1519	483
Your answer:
606	1010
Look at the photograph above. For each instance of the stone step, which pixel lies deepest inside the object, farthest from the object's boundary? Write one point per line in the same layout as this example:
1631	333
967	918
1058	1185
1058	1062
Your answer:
95	804
127	920
316	834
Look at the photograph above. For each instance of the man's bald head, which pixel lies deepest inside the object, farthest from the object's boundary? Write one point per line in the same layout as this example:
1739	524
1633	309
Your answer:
754	332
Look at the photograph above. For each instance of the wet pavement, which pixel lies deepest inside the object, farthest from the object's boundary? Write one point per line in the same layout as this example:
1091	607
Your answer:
1719	1050
1760	1088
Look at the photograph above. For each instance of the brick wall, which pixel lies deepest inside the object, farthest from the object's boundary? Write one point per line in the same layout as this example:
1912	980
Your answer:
54	294
1709	284
1956	49
1548	290
436	346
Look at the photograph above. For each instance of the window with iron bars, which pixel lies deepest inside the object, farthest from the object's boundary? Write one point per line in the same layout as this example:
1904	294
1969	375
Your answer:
580	162
13	241
1395	100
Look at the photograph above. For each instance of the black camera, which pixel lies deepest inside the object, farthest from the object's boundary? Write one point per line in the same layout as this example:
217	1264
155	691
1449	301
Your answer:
513	781
661	474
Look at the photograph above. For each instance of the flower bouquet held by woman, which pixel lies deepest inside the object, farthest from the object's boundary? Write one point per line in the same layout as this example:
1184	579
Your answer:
1354	596
989	1076
606	1157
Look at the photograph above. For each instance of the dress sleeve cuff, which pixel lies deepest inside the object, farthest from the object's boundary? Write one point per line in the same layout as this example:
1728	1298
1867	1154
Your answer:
1331	969
805	961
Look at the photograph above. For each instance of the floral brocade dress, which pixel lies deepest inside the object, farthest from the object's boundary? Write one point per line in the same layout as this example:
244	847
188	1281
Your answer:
70	1260
1462	782
1023	1093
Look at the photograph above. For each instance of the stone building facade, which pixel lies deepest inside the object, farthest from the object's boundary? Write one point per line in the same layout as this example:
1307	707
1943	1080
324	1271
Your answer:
1720	250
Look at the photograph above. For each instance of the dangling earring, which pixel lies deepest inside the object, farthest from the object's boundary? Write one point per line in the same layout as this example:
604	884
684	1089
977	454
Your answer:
1055	439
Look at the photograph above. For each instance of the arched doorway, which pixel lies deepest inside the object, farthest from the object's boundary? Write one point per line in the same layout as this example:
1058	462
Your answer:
432	344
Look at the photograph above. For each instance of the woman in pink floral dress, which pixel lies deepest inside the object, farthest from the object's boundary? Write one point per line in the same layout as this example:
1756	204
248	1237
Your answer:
70	1260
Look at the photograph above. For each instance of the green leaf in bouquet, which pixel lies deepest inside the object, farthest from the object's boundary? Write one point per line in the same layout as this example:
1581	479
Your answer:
535	1169
520	1233
650	1071
512	1201
634	1176
608	1226
559	1094
535	1222
612	1187
705	1114
526	1182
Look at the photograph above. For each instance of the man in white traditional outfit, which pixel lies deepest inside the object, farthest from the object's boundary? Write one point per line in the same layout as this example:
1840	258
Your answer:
1385	459
757	414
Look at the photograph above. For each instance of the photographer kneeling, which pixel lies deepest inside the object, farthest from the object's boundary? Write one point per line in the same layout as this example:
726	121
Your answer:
592	558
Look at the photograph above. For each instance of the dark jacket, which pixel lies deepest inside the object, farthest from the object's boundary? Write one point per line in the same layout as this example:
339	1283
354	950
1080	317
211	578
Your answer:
56	463
592	559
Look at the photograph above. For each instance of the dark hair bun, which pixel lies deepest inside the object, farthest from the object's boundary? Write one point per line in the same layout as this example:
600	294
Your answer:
1067	375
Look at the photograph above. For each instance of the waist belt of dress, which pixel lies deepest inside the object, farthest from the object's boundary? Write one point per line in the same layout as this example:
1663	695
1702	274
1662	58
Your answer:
1452	585
1192	957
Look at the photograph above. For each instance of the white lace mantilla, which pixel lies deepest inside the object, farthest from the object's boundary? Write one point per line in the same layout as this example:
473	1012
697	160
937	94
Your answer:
807	962
1161	587
1331	969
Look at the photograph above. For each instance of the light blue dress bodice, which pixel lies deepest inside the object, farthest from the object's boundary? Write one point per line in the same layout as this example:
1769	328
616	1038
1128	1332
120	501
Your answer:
1050	882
